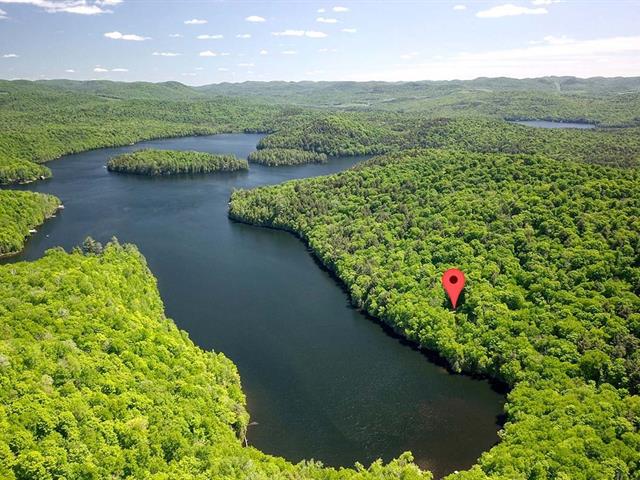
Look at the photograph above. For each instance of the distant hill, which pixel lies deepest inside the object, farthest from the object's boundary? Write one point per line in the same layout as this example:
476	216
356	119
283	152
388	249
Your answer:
349	94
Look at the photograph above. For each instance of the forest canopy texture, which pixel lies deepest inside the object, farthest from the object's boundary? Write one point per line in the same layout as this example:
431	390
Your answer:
95	382
19	213
171	162
550	308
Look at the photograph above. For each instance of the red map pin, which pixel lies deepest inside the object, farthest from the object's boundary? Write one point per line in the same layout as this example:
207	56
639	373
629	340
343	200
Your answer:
453	283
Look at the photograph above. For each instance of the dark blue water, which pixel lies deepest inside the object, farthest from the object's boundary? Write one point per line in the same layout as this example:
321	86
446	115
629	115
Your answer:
322	381
548	124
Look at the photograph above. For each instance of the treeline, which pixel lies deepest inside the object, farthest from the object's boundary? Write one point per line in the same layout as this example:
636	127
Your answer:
364	134
273	157
21	171
173	162
43	120
19	213
41	123
602	101
97	383
551	305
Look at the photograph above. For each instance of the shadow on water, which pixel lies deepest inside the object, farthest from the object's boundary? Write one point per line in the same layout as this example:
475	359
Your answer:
322	380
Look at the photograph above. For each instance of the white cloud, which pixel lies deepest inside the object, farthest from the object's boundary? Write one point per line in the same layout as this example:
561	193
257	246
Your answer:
510	10
100	70
3	14
459	7
109	2
119	70
289	52
176	35
264	52
225	54
243	35
349	30
314	34
210	37
289	33
300	33
125	36
223	69
322	10
79	7
340	9
247	65
327	50
255	19
208	53
409	56
326	20
70	70
199	68
166	54
195	21
188	74
544	2
553	40
613	56
10	55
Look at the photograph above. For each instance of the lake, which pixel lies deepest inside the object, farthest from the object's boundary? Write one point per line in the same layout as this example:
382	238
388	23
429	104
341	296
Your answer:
548	124
322	380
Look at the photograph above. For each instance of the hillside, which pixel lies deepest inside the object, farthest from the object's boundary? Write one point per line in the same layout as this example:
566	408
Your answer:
551	304
46	119
19	213
98	383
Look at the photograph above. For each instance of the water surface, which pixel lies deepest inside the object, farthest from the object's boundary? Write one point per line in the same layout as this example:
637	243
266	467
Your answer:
548	124
322	381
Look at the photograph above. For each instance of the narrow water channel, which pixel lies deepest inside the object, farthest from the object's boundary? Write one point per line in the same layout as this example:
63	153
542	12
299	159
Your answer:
322	380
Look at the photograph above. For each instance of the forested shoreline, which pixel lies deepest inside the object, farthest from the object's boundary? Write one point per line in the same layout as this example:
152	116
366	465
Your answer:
170	162
273	157
20	212
543	255
545	223
45	120
98	383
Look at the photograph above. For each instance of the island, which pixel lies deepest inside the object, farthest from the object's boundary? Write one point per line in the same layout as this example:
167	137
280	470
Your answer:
274	157
171	162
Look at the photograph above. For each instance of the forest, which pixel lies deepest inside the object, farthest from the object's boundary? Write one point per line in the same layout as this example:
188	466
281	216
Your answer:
97	383
169	162
46	119
21	212
550	307
273	157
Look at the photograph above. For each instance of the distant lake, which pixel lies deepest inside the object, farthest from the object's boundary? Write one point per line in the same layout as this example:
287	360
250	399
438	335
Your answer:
548	124
322	380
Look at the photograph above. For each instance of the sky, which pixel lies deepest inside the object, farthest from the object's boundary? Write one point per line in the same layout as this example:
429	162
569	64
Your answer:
199	42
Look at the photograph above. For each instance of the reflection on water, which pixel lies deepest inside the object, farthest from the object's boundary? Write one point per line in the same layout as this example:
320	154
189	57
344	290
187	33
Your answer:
322	381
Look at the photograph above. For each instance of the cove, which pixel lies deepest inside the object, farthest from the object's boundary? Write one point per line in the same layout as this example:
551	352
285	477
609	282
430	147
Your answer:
322	381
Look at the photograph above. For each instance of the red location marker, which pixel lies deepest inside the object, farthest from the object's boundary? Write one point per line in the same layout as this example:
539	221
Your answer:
453	283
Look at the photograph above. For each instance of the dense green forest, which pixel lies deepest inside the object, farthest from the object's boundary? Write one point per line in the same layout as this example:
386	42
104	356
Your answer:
551	304
364	134
19	213
95	382
171	162
273	157
44	120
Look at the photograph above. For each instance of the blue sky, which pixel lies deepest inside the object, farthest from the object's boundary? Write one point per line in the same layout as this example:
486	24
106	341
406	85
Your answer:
208	41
